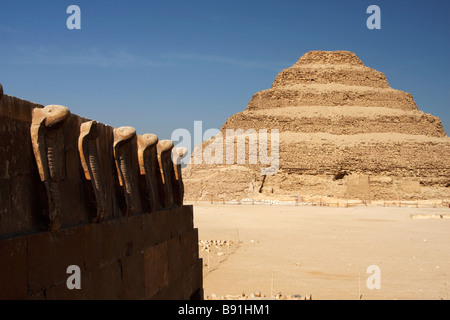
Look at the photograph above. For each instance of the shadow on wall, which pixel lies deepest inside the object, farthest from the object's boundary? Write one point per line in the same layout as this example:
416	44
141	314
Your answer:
106	197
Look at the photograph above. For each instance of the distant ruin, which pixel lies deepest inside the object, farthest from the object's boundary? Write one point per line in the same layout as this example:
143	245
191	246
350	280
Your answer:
74	191
344	133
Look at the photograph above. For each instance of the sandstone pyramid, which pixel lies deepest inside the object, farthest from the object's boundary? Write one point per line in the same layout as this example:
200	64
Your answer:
343	132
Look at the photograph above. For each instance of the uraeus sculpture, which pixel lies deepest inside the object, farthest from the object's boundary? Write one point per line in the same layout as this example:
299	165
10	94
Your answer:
48	147
148	171
177	155
91	164
164	149
149	167
124	143
71	194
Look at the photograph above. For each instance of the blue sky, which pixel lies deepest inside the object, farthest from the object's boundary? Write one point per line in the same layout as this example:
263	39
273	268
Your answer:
161	65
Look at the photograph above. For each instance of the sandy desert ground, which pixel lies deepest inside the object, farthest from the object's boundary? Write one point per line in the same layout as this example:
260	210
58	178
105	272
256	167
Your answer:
325	252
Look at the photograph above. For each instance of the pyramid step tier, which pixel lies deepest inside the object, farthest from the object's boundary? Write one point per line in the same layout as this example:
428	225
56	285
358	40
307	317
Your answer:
338	120
323	153
326	95
390	154
356	76
327	58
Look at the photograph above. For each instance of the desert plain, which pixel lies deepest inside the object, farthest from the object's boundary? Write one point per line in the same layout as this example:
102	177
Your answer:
323	252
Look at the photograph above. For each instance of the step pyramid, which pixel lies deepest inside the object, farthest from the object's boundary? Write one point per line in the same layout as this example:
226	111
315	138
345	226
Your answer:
343	132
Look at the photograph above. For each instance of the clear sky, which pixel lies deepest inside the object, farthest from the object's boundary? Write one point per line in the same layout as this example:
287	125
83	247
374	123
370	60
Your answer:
161	65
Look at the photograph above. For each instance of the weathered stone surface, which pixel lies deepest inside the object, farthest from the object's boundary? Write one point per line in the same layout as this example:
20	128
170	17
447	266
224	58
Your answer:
13	268
19	206
49	255
115	258
178	189
156	269
125	157
189	243
58	165
48	146
90	161
333	115
149	168
171	291
193	279
164	150
132	273
174	257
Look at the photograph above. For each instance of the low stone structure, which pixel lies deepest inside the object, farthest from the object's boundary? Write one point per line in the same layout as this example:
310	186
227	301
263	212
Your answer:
74	191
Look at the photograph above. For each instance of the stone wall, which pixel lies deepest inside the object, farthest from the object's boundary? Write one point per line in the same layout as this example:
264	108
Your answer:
78	192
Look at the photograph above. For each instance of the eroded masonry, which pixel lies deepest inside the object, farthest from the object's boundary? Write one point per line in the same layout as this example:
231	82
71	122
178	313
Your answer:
74	191
344	133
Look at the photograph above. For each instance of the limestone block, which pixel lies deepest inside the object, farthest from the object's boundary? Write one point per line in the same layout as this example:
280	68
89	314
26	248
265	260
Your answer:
409	185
